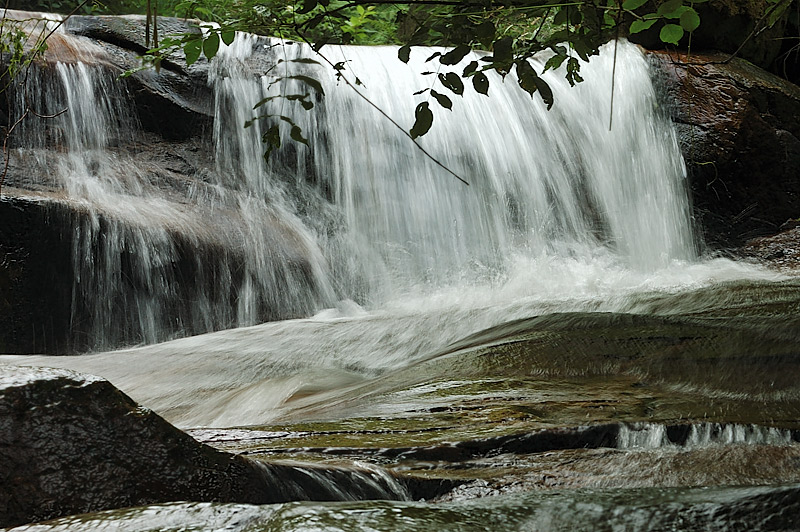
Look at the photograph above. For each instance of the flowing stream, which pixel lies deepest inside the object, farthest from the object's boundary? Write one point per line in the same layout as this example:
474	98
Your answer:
386	262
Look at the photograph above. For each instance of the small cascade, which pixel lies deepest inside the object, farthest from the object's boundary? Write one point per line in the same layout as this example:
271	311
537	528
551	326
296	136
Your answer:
147	263
303	482
656	436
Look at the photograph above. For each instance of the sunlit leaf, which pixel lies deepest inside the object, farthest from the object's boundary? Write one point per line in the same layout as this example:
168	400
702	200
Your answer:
671	33
192	51
211	45
690	20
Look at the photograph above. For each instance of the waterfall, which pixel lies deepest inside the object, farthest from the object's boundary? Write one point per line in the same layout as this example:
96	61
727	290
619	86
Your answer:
543	183
359	213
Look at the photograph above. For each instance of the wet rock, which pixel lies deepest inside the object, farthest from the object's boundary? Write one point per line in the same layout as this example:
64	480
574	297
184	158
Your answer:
35	261
72	443
739	129
174	101
781	251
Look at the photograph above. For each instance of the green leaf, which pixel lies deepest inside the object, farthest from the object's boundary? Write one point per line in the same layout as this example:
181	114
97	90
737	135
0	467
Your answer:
554	62
265	100
228	36
404	53
633	4
669	7
423	120
641	25
316	85
272	138
192	51
671	33
526	76
481	83
211	45
581	48
677	13
502	55
452	81
433	56
454	56
302	60
561	17
470	68
573	71
485	32
690	20
297	135
308	5
443	100
544	91
777	12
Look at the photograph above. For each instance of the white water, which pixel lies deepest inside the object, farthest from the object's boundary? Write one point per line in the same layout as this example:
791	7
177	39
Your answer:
561	214
654	436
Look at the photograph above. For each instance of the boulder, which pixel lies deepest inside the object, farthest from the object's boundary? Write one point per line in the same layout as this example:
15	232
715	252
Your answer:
72	443
739	129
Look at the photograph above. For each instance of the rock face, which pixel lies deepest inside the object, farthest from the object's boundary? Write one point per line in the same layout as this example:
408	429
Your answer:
118	203
71	443
739	129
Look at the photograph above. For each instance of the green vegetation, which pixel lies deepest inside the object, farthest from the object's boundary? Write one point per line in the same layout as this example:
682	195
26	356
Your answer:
509	31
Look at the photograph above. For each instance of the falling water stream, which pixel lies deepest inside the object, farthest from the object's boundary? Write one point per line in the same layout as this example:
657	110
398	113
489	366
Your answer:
385	260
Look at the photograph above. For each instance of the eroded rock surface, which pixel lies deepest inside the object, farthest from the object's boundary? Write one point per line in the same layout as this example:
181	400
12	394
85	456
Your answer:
72	443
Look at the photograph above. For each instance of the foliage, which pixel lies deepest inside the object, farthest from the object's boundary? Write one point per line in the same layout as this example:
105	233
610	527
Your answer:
511	32
22	41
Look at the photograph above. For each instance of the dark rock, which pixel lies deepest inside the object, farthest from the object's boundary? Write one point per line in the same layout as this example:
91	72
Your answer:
44	309
35	256
739	129
174	101
72	443
781	251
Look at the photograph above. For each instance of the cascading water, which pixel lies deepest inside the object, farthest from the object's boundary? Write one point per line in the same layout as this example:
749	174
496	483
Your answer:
543	184
358	214
454	335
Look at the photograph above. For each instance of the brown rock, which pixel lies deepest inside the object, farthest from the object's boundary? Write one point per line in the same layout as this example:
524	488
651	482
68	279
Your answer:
739	128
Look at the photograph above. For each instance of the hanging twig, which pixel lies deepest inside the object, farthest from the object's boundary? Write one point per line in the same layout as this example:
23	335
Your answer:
614	69
389	118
